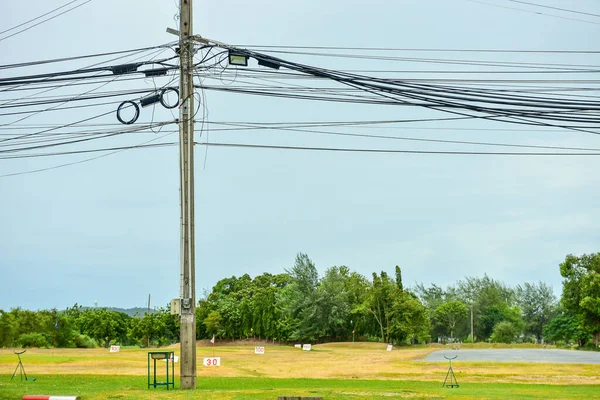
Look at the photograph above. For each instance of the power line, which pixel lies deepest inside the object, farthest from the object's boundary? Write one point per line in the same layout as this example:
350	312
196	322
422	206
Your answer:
390	151
478	63
36	18
531	110
46	20
57	60
414	139
555	8
114	151
258	46
532	12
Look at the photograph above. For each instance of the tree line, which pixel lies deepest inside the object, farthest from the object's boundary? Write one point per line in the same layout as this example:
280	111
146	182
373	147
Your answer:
342	305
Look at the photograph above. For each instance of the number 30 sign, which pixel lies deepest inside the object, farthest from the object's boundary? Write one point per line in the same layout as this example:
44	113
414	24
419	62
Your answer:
212	361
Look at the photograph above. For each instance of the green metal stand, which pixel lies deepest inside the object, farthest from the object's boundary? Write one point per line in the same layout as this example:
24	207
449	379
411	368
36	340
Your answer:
453	382
20	368
168	357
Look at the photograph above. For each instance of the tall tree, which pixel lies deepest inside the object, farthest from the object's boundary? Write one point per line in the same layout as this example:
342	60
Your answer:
567	328
104	325
298	301
213	323
433	297
409	320
378	303
333	300
581	290
146	329
450	314
489	299
538	304
399	279
9	328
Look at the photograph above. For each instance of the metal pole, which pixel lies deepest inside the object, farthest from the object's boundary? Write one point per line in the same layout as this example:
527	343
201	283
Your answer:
186	158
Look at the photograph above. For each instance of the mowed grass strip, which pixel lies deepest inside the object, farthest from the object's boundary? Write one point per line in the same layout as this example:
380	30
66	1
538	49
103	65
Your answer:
90	387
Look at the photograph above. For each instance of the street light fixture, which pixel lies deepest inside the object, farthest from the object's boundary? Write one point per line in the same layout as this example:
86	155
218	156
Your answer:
238	59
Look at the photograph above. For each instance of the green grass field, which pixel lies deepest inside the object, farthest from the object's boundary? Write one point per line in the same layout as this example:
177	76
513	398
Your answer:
333	371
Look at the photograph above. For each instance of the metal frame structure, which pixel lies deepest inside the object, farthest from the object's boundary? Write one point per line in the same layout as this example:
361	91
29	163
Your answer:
168	356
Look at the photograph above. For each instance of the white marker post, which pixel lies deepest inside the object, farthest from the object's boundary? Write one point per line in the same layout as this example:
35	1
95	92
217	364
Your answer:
389	347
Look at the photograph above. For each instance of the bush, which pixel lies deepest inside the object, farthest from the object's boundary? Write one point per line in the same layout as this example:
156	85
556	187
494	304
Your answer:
84	342
33	340
504	332
590	346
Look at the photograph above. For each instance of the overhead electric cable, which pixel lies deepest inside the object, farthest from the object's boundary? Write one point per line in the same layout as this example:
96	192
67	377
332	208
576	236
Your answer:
258	46
532	12
555	8
116	150
390	151
413	139
46	20
36	18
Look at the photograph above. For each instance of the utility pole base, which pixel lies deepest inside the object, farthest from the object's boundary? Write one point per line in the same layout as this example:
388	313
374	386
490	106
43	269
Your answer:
188	382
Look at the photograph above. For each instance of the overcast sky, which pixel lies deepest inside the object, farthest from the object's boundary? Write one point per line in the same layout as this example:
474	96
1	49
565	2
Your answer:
107	230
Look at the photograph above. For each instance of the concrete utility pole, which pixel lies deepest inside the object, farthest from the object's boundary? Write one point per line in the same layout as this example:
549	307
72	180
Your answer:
472	337
186	159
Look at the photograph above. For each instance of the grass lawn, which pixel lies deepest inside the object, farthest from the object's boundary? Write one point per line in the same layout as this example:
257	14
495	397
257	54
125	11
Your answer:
333	371
132	387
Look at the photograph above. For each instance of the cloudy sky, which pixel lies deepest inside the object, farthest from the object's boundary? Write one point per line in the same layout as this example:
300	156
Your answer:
107	230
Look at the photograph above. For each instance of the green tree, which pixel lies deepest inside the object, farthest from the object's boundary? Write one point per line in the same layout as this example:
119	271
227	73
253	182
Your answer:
450	314
378	302
213	323
432	297
9	328
504	332
298	301
147	329
399	278
490	301
497	313
356	287
333	303
581	290
567	328
105	326
538	304
202	311
409	320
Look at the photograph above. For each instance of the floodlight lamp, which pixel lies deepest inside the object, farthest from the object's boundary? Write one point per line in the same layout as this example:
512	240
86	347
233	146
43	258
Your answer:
238	59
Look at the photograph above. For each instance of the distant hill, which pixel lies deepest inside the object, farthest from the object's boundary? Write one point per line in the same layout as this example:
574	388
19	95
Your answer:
132	312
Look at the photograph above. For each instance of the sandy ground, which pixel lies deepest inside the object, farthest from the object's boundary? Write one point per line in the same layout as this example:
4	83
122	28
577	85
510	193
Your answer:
333	360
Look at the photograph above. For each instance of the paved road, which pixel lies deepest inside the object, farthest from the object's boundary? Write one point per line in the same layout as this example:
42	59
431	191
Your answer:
519	355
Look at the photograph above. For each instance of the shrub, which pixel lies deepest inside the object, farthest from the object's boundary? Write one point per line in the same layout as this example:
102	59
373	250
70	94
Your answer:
84	342
590	346
504	332
33	340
